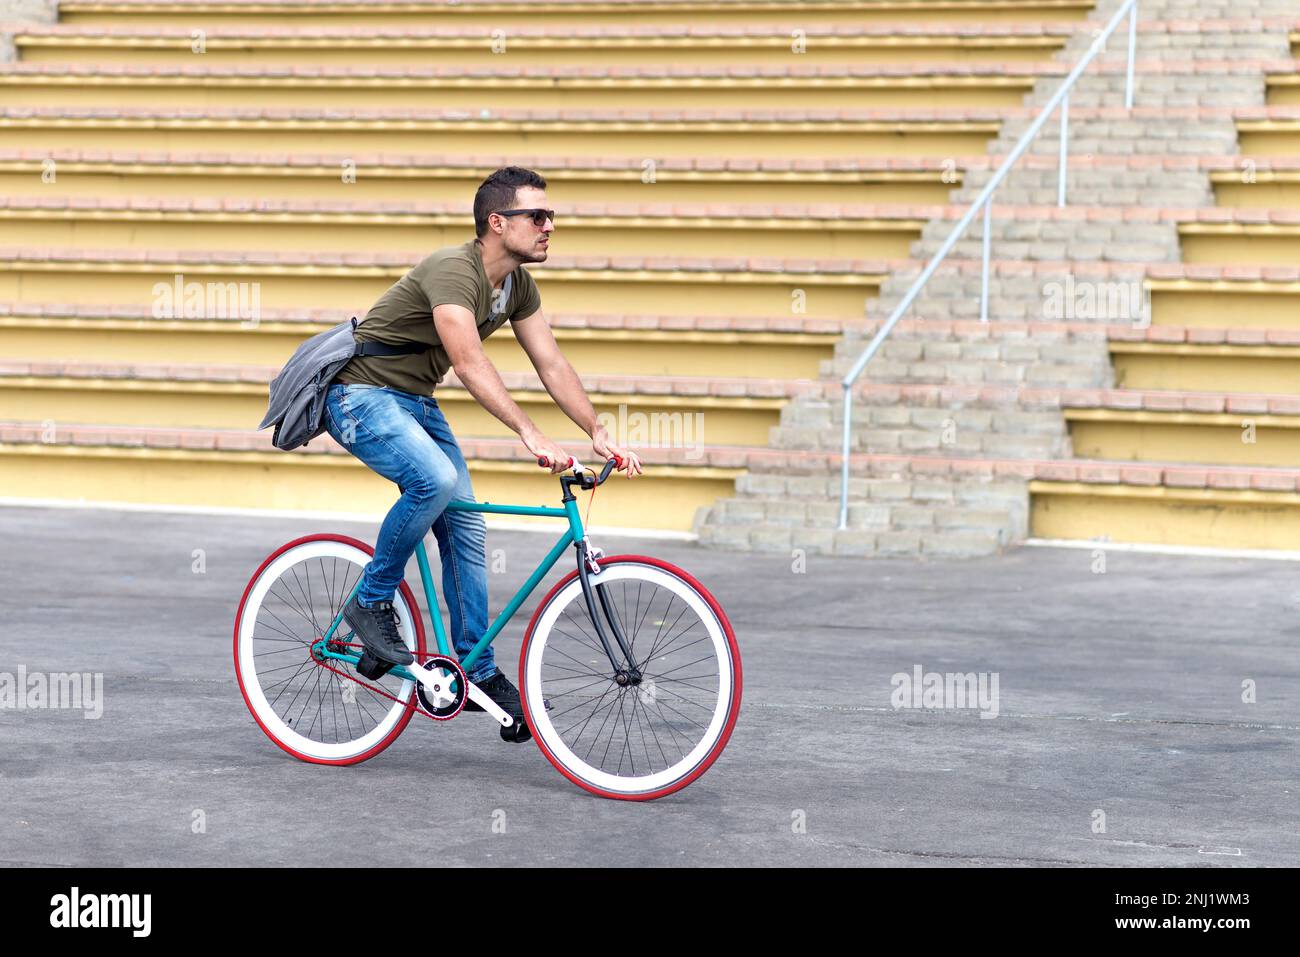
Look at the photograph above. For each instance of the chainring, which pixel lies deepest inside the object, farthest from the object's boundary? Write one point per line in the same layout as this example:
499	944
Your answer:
443	703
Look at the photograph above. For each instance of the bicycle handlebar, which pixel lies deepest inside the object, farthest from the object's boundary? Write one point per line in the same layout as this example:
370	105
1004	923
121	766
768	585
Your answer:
582	479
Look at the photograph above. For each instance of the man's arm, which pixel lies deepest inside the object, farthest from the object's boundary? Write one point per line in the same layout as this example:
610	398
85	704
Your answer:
459	335
557	375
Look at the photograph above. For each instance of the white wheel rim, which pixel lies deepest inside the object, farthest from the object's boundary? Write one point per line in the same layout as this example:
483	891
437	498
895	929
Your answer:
550	736
262	708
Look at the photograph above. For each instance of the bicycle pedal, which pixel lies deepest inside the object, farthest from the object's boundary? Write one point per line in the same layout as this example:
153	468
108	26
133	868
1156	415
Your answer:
371	667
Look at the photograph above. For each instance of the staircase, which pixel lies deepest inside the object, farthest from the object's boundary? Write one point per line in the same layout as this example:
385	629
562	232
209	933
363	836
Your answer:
1136	382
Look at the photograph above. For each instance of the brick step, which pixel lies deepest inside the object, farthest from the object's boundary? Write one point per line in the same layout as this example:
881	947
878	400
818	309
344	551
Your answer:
123	83
65	435
978	165
989	469
312	321
876	516
944	437
671	411
239	469
788	347
310	175
592	133
971	367
396	177
1199	218
478	87
1181	294
961	395
944	542
104	373
681	229
25	73
1240	437
831	288
887	488
1244	236
974	16
1227	360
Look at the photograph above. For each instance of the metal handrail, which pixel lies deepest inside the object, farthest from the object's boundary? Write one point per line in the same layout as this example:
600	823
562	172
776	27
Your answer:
1062	99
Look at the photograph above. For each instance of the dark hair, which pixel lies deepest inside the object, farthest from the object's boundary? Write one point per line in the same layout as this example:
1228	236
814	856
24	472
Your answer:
497	192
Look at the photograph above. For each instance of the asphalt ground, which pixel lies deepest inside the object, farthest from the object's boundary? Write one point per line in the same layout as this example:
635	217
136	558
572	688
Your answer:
1125	732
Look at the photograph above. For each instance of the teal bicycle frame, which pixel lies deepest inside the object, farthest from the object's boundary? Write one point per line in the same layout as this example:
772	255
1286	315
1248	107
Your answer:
574	533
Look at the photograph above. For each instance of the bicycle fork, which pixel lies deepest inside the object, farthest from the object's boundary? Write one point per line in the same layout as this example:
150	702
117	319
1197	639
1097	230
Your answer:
593	594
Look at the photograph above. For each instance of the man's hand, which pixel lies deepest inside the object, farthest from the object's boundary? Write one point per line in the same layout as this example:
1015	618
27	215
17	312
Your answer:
627	461
541	446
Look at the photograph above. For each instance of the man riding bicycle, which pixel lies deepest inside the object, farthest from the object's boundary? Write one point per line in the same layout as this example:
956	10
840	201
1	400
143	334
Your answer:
381	408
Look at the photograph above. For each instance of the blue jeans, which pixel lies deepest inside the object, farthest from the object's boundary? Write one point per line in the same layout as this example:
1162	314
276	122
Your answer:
406	439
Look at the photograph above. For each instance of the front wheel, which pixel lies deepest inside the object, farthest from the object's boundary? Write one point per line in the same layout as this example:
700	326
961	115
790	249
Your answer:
641	740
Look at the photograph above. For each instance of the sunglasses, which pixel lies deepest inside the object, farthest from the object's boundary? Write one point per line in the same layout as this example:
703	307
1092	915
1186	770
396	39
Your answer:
540	216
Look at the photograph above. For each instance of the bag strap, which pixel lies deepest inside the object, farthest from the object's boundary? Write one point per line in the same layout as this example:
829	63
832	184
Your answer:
383	349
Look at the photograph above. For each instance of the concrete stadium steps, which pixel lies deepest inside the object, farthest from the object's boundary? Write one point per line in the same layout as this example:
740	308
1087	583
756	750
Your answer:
1167	514
240	469
1131	425
1247	433
1262	133
516	87
1200	360
1218	236
441	179
1268	131
1266	184
670	411
1213	506
1283	88
491	14
1271	237
773	347
835	289
1215	297
969	352
891	515
618	229
643	134
628	45
1199	295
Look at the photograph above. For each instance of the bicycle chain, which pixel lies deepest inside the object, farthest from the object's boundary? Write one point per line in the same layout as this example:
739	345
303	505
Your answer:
410	705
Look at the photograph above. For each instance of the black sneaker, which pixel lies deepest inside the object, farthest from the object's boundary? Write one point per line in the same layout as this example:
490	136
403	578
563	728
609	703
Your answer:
501	690
377	629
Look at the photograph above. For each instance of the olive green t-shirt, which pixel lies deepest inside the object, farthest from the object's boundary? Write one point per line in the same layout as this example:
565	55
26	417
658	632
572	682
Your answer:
405	314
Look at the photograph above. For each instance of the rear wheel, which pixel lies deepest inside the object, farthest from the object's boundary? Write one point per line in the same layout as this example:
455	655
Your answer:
319	710
641	740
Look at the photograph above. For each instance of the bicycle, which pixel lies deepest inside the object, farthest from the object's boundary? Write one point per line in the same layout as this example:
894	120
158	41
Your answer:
663	709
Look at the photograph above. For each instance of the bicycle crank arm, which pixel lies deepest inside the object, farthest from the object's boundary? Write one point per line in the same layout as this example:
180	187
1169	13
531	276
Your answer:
476	695
480	698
